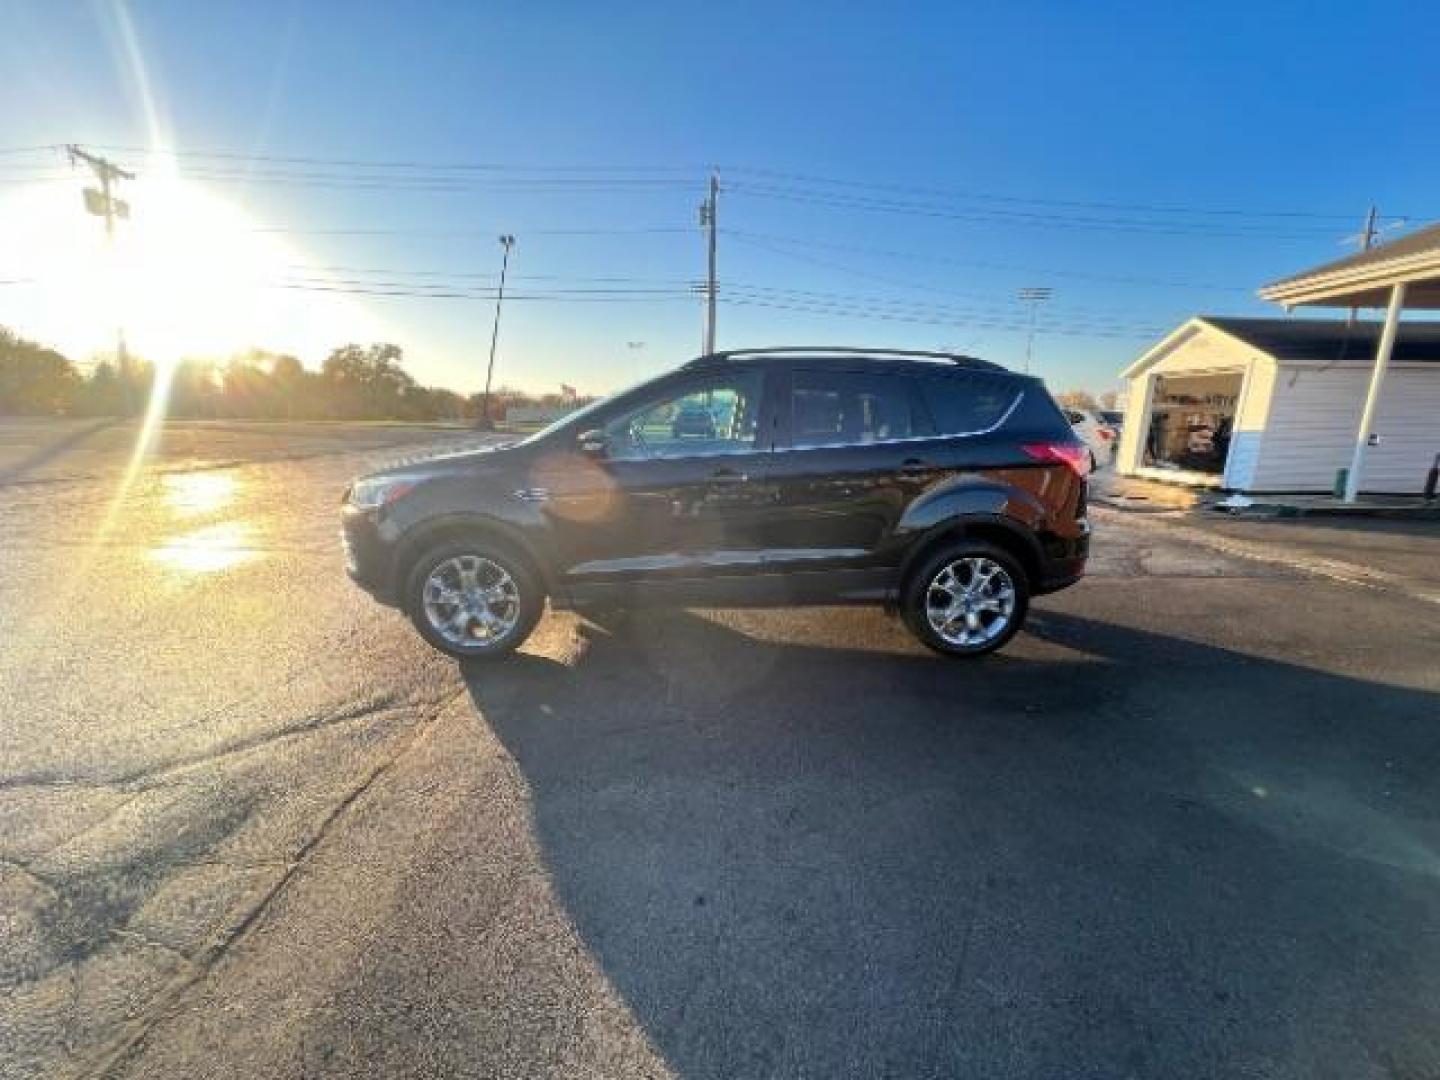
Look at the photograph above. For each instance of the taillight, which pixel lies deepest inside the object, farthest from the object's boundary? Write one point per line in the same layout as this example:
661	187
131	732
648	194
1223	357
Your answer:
1071	454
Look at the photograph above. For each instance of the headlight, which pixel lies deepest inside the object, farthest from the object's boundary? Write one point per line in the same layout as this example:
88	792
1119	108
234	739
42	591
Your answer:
373	494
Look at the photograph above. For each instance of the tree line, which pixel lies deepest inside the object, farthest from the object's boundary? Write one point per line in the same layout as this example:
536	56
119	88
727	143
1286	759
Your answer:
354	383
1083	399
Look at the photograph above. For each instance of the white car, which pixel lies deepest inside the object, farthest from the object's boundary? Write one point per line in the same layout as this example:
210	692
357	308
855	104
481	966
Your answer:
1097	435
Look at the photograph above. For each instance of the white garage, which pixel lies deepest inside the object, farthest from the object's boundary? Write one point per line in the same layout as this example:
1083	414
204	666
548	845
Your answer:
1273	405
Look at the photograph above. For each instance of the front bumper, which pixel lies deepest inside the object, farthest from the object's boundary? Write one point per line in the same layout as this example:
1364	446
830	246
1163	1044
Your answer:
367	556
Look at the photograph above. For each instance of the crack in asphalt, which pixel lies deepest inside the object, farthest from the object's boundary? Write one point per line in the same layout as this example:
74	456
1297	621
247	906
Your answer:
86	908
1347	573
44	883
126	934
213	951
384	705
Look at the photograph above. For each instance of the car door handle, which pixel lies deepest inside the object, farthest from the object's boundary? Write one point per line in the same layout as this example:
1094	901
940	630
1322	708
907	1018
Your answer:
915	467
727	476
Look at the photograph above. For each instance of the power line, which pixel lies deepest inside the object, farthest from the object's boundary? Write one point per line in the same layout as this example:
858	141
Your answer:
764	241
474	286
655	230
443	184
740	295
597	185
489	275
1062	330
816	308
1030	201
696	171
1096	318
442	293
629	286
1015	217
414	163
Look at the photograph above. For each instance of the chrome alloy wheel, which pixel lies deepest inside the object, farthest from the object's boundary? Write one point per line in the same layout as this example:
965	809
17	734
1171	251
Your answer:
970	602
470	600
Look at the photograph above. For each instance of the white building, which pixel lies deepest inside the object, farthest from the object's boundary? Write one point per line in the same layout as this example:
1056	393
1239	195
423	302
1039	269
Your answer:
1273	405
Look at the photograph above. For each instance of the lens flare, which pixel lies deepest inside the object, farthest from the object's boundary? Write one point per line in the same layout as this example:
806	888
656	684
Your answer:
208	550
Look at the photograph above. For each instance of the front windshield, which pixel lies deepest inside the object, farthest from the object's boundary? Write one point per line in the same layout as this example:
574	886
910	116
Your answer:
579	414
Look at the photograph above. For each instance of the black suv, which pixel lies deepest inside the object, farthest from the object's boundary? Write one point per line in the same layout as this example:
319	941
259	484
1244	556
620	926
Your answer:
941	486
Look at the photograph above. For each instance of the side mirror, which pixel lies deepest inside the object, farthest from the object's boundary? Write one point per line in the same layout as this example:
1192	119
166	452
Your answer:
593	443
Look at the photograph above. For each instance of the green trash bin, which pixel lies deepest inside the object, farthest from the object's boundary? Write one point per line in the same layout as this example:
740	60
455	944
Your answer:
1342	476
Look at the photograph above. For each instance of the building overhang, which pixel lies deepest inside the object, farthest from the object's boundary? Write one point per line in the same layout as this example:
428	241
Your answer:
1365	280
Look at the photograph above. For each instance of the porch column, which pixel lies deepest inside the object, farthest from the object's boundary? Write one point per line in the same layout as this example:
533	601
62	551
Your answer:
1377	378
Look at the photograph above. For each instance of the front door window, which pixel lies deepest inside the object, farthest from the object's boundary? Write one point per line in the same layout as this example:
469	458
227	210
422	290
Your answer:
718	416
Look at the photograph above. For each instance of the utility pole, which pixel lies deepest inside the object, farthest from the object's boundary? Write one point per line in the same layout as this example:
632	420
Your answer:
633	348
1034	295
102	203
1367	241
486	424
707	221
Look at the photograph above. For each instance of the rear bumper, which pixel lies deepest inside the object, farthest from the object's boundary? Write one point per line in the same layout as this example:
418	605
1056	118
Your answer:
1055	582
1064	562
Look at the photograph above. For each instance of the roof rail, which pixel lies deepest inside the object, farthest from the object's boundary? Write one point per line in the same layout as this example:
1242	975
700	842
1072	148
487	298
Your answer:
849	350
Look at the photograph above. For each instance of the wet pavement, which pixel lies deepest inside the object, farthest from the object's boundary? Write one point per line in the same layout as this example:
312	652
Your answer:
251	826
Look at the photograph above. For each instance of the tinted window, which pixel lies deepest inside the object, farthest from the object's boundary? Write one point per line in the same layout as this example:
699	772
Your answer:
717	416
837	408
961	405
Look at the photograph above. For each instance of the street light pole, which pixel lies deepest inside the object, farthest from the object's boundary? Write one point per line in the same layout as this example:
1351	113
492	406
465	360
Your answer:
486	424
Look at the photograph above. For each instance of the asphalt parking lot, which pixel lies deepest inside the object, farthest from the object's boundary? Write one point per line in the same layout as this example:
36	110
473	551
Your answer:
1186	825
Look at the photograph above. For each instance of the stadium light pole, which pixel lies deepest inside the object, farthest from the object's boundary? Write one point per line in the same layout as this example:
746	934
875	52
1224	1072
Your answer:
507	241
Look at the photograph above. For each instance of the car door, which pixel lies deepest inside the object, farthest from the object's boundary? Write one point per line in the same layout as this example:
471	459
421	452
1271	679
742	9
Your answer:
852	456
672	487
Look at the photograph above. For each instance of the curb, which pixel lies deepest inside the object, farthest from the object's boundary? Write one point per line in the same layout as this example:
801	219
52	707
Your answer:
1429	512
1143	506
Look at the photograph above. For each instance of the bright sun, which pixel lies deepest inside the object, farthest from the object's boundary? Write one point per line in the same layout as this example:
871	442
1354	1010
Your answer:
189	275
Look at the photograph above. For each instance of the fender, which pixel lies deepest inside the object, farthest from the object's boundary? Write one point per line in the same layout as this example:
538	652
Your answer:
527	542
949	507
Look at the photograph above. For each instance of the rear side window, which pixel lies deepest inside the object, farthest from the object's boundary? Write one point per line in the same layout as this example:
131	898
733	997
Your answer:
840	408
959	405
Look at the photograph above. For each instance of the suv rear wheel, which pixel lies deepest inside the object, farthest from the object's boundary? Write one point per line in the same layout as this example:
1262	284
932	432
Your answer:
967	599
473	599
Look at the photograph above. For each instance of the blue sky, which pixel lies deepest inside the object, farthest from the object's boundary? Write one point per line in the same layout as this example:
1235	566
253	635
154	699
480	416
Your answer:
1145	161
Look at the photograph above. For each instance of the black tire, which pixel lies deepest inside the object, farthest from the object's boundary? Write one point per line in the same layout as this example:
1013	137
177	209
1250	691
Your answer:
916	590
529	605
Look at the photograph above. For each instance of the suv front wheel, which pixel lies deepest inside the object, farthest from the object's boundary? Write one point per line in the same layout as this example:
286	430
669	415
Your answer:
967	599
473	599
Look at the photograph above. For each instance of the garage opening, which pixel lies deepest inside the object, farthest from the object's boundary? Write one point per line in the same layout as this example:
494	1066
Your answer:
1191	421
